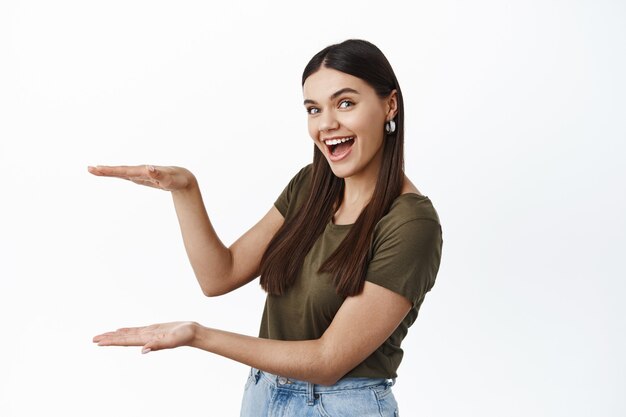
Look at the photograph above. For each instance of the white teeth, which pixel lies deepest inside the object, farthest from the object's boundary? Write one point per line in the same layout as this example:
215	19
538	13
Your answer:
337	141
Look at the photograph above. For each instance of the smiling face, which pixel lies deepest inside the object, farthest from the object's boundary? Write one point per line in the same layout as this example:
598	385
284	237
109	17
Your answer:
346	121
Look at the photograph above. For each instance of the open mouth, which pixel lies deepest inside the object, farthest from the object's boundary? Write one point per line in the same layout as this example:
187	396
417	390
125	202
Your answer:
339	147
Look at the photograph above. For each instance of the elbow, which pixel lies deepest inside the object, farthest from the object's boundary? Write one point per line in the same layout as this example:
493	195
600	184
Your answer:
327	380
332	369
328	376
213	286
212	291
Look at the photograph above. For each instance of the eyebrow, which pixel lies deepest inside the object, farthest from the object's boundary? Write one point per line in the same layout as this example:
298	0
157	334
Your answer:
334	95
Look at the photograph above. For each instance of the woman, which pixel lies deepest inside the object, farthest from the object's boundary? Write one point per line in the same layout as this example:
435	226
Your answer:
346	254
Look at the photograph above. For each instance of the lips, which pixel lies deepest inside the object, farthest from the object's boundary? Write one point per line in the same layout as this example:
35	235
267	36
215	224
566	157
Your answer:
337	139
339	147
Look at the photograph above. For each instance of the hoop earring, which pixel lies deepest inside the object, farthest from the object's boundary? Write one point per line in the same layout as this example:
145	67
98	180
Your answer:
390	126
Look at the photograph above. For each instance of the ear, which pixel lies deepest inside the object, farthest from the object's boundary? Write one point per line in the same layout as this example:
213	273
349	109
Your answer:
392	104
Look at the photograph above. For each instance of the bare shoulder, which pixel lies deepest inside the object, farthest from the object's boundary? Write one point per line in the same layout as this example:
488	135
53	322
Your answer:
409	187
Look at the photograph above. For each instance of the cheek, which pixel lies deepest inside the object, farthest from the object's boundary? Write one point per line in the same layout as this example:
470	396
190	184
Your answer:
314	134
368	124
313	131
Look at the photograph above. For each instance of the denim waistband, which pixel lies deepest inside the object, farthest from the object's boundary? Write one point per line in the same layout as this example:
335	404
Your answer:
311	389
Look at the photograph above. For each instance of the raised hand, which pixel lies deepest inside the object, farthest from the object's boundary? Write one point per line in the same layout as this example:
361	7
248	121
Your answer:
165	178
154	337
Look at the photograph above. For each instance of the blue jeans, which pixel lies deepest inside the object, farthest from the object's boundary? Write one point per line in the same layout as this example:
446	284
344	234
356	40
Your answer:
268	395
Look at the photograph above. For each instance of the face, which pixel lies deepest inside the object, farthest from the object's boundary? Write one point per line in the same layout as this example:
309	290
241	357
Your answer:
346	121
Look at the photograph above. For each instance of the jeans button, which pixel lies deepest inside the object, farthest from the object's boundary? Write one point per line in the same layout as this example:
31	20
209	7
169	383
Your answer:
282	380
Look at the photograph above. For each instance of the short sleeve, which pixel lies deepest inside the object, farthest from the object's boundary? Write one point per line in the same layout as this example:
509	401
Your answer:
406	259
291	191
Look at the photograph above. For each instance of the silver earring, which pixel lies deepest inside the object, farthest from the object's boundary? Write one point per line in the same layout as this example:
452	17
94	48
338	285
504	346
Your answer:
390	126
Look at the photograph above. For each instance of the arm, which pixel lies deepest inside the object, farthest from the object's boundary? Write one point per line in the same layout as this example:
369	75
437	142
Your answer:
218	269
360	326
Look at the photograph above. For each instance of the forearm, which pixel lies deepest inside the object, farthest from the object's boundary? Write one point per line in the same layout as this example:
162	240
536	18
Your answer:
210	259
305	360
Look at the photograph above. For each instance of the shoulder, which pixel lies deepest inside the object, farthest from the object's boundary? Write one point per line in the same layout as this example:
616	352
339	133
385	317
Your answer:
300	184
406	248
302	179
295	191
411	216
407	207
305	174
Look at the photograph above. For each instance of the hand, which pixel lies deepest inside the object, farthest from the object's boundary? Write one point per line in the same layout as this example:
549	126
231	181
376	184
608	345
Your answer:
164	178
153	337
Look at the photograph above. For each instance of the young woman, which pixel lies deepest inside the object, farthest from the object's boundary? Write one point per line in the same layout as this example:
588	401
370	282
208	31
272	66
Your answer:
346	254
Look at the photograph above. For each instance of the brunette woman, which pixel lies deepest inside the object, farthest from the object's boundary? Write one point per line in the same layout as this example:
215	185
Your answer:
346	254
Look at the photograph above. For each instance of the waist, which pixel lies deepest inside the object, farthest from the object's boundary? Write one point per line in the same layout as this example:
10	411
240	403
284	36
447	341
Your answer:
347	383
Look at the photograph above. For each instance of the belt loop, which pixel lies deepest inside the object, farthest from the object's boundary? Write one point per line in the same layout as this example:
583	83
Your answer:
257	375
310	396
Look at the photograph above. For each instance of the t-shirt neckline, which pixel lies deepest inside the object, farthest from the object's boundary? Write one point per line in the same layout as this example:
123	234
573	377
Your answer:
348	226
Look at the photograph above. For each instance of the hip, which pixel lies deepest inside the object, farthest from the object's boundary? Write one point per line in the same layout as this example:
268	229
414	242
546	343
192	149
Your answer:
272	395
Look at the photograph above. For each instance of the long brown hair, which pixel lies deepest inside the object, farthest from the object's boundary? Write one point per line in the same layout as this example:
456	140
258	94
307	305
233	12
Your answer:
282	261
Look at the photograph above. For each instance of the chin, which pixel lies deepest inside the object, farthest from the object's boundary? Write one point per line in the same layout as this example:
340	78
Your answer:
341	172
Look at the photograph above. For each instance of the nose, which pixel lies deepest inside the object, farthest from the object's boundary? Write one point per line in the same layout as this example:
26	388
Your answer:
328	121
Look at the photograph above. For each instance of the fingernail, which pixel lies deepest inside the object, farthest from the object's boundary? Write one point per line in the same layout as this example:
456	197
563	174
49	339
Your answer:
151	168
145	350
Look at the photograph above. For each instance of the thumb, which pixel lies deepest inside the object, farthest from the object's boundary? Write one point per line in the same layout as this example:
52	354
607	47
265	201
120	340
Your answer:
149	347
156	343
152	171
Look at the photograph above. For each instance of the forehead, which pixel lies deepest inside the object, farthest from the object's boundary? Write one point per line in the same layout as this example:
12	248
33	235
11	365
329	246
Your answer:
324	82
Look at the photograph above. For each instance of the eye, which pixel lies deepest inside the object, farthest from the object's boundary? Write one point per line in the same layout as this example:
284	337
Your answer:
312	110
344	104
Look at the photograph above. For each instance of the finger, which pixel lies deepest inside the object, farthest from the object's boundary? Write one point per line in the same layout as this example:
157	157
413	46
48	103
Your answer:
153	171
129	330
105	170
123	340
147	183
94	170
149	347
157	343
103	336
158	176
121	171
123	331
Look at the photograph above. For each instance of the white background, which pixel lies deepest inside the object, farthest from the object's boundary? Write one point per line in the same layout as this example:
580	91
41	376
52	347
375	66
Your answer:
515	130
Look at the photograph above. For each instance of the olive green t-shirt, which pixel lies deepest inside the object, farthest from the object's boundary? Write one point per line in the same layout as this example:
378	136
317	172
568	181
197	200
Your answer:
406	252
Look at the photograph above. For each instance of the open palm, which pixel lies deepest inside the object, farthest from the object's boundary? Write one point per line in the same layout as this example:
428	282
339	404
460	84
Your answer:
168	178
153	337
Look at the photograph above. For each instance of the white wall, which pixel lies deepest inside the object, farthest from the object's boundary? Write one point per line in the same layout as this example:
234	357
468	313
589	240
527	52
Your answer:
515	131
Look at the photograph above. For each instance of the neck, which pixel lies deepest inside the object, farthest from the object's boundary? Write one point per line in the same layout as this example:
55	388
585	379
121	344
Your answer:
359	188
358	191
356	195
